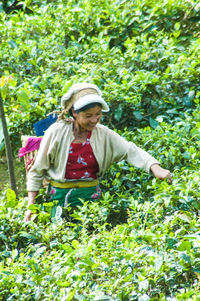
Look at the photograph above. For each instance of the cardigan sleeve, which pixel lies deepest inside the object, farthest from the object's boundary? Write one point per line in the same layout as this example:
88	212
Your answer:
129	151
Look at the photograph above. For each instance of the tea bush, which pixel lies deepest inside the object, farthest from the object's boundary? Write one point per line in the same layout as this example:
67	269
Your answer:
141	240
146	62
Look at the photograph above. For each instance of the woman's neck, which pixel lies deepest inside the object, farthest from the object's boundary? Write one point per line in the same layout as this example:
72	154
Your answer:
78	130
80	134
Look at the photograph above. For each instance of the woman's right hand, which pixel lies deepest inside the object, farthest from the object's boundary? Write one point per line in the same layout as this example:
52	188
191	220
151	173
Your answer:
27	215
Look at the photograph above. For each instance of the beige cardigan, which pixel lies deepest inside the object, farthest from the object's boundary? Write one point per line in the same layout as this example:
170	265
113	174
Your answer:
107	146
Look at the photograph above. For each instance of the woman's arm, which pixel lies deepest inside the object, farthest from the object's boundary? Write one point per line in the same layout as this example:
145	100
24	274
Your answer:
160	172
31	200
136	156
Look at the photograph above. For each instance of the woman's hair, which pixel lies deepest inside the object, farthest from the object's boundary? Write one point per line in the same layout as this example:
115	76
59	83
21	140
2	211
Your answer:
64	112
62	116
85	108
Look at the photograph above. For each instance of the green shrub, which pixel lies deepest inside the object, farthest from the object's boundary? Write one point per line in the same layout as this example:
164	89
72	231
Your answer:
141	240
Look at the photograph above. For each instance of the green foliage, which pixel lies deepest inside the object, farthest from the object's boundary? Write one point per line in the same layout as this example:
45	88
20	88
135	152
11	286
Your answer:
146	62
81	256
141	240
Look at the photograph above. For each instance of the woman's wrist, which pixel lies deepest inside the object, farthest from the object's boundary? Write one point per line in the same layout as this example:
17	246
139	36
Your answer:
31	197
31	200
155	167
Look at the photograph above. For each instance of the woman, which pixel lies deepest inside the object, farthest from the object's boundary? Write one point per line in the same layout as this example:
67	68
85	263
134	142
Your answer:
75	152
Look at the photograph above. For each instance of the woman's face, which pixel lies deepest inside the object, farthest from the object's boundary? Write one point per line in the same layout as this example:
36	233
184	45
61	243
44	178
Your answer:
88	119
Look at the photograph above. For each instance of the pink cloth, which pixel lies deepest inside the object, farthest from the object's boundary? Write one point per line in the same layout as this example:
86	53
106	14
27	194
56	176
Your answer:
33	143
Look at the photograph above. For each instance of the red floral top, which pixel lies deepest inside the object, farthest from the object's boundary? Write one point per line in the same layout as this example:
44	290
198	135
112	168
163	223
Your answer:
82	163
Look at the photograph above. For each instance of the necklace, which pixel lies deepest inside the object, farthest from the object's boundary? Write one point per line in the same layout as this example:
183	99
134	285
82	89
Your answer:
80	136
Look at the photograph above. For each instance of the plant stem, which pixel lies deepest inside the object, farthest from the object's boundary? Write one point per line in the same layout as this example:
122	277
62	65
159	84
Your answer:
9	155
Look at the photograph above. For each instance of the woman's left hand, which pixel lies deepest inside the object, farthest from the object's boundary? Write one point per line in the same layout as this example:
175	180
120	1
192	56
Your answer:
161	173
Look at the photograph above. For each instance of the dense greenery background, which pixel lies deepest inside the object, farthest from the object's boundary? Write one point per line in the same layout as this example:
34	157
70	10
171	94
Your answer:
141	241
